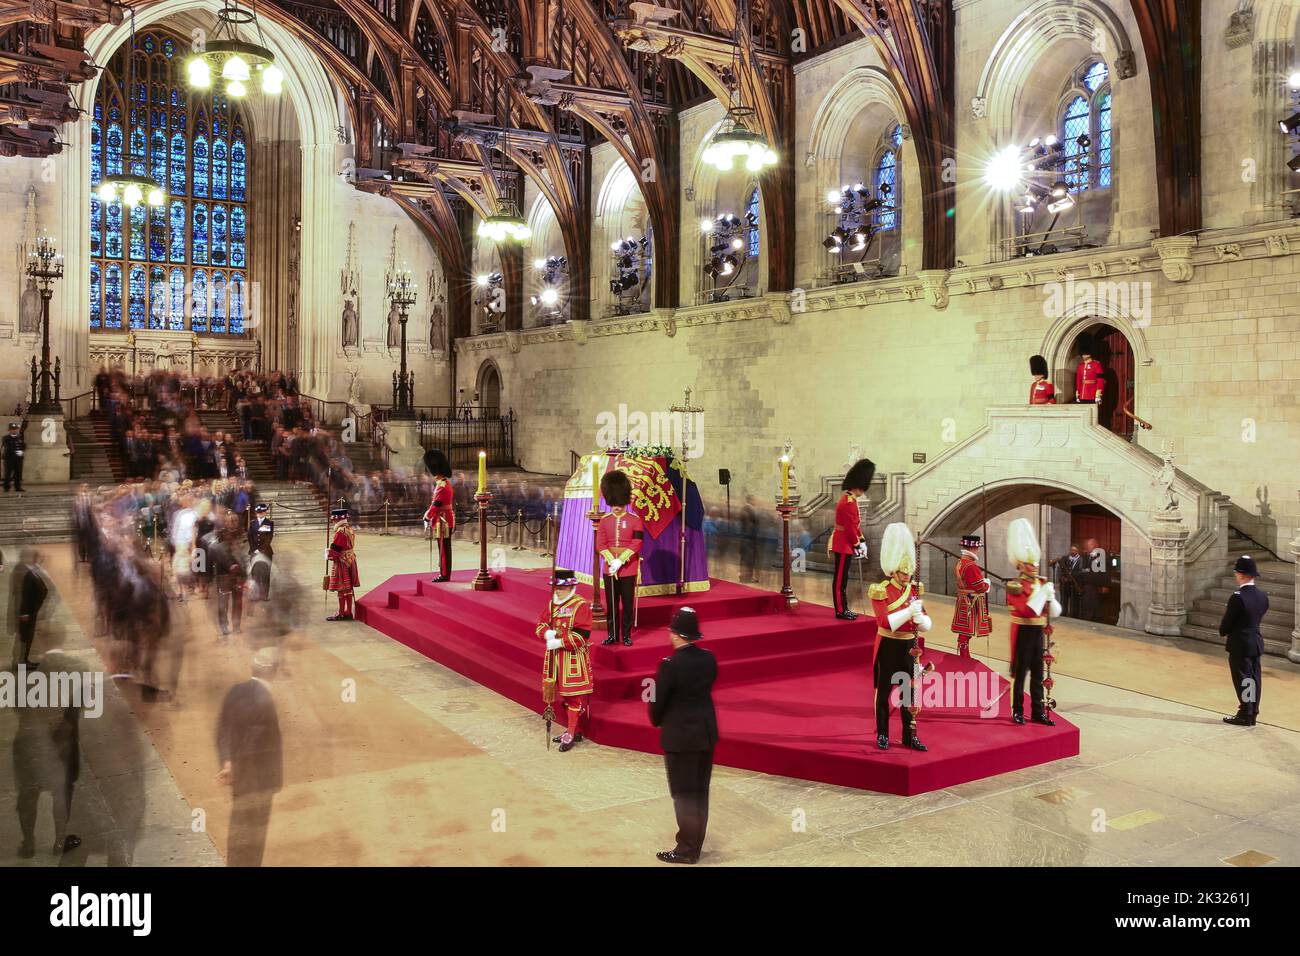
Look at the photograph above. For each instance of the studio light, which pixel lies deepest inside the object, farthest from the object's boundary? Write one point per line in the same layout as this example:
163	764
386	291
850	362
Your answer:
1293	164
1003	171
1290	124
1293	80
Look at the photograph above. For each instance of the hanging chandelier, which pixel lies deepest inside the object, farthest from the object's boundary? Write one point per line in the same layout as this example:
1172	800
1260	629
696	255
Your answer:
736	141
131	188
235	60
736	138
507	223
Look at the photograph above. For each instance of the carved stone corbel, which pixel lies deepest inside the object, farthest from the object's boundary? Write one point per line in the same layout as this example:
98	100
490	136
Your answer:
935	283
1175	256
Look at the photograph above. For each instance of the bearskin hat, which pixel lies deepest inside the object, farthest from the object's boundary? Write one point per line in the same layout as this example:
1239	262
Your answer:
1086	345
897	549
859	476
616	489
1037	365
437	463
1022	543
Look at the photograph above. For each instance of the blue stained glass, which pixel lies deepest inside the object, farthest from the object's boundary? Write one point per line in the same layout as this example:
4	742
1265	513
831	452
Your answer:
1074	125
896	135
96	297
219	224
176	312
137	150
137	232
887	175
176	184
751	210
200	152
237	233
178	120
113	232
237	303
169	48
217	319
158	157
176	220
96	226
238	167
136	301
113	297
1103	142
157	298
114	143
99	112
96	152
220	166
1095	76
199	234
157	234
149	43
199	302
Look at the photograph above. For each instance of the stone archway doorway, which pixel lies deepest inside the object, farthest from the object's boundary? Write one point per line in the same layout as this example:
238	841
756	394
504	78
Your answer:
1111	347
489	390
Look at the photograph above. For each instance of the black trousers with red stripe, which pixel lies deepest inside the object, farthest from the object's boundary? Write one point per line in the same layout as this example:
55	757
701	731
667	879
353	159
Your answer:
444	557
840	581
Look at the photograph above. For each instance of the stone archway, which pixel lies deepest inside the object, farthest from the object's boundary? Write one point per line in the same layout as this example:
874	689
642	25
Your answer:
488	388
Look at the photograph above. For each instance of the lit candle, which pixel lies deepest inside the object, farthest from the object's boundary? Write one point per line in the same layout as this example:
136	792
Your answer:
785	479
482	472
595	483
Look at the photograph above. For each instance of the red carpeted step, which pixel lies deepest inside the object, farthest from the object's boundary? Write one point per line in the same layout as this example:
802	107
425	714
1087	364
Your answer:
794	692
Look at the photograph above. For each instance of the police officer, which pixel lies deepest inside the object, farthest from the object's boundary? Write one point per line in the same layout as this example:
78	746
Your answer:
13	447
1240	628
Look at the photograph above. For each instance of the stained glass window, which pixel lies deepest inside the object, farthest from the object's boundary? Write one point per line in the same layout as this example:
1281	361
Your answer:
887	175
136	302
751	214
1088	114
196	145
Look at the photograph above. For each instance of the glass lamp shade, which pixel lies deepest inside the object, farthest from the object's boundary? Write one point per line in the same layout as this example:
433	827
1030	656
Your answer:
199	73
132	195
272	80
107	192
236	88
235	70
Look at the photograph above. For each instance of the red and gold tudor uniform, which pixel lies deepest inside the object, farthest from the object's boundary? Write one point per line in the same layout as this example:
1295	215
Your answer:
970	615
901	623
1032	602
440	518
565	625
846	541
344	573
620	535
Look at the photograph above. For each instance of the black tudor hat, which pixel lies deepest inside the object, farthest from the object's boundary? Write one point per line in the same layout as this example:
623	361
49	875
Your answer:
564	578
1246	565
971	541
616	489
336	513
261	507
686	624
437	463
1037	365
859	475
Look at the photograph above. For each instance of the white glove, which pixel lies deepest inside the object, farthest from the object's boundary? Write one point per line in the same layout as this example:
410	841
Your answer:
1053	608
327	554
1050	588
554	643
860	549
918	611
426	524
550	634
923	623
1037	598
614	566
900	617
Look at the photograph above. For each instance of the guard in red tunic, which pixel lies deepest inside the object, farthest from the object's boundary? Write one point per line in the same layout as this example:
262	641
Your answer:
440	519
1089	381
970	615
565	626
1032	601
619	538
846	541
1042	392
901	622
342	557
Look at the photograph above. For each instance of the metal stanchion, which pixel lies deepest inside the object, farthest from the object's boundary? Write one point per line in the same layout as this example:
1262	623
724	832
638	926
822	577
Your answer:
519	538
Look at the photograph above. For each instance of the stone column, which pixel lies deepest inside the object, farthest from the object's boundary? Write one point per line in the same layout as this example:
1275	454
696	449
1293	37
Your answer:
1294	653
405	450
1167	612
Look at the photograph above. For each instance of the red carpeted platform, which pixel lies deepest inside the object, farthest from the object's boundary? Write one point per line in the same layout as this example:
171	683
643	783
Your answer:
794	692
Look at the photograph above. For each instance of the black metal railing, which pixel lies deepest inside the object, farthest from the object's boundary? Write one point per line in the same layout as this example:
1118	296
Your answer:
462	439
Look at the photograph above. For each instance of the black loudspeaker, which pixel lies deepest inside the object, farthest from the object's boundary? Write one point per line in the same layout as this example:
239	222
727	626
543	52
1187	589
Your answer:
724	476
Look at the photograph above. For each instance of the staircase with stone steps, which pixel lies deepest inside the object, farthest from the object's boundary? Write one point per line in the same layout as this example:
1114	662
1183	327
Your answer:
43	513
94	458
256	454
1277	578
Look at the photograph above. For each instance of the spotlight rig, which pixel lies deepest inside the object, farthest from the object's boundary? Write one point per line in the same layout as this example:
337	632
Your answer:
490	297
857	222
1290	127
631	270
727	238
1038	173
549	300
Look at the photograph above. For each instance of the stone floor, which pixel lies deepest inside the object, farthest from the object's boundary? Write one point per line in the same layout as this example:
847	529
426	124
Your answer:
393	759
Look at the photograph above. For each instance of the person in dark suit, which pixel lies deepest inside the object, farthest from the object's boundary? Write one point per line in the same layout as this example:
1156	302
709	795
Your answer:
1240	628
32	587
13	447
252	761
1071	566
682	707
47	757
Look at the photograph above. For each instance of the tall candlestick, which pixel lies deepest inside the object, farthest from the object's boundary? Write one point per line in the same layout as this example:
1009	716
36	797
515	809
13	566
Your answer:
785	479
482	472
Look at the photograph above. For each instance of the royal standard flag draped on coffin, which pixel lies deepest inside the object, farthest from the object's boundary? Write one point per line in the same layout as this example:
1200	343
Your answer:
657	499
